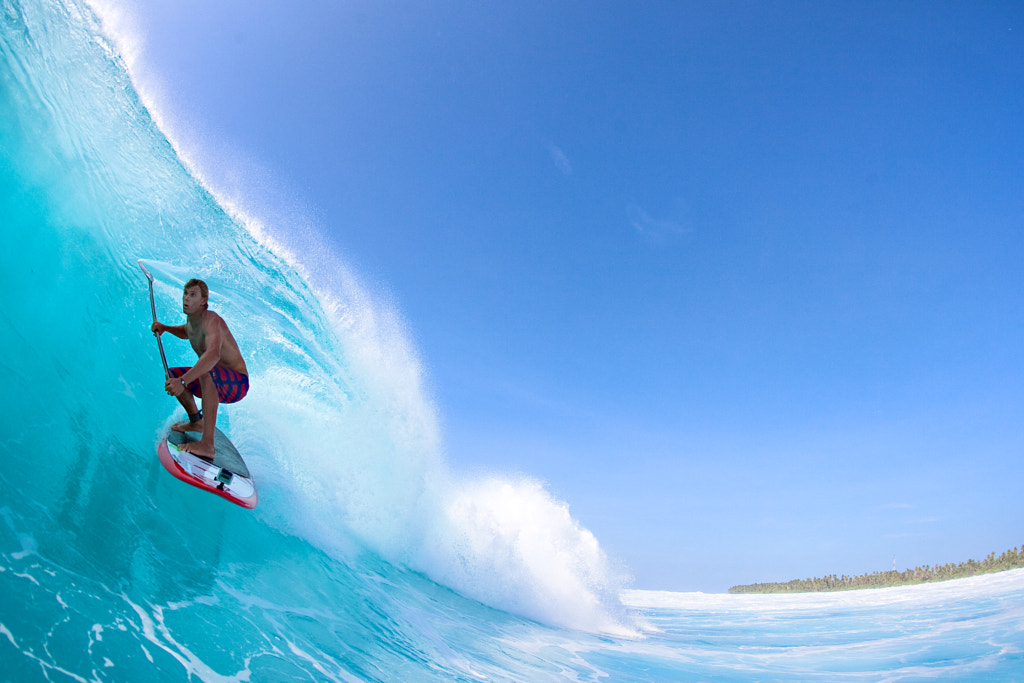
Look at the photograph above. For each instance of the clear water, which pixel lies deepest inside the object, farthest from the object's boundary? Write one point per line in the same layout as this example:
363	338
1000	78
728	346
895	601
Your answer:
367	558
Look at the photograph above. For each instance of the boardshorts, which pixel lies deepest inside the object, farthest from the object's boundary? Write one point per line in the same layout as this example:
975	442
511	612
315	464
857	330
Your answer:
231	386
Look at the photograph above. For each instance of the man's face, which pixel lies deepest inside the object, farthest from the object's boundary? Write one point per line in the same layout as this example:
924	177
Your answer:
193	301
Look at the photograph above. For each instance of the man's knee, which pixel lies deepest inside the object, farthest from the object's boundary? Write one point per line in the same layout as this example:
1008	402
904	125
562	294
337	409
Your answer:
209	387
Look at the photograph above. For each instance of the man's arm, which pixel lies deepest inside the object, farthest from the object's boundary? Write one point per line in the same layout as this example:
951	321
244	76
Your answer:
178	331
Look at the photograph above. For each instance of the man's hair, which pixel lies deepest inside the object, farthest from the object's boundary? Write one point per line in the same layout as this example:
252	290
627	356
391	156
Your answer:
203	289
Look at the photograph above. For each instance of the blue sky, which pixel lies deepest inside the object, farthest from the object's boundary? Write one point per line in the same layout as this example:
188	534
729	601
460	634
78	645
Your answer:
740	281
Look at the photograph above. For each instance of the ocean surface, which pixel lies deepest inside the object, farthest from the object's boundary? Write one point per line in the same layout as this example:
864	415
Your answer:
367	559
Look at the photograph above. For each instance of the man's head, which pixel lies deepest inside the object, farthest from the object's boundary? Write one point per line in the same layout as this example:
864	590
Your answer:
195	297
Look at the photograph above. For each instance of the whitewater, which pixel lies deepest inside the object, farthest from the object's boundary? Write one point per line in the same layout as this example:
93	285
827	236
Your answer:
368	558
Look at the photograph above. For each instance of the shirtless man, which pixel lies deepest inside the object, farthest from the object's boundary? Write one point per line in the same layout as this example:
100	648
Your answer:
219	376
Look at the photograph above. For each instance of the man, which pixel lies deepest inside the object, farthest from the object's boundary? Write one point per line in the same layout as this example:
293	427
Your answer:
219	376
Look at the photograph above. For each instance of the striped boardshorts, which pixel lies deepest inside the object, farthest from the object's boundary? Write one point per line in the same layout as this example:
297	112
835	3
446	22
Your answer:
231	386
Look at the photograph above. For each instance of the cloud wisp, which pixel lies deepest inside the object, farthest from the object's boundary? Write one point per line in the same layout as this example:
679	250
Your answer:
646	224
561	161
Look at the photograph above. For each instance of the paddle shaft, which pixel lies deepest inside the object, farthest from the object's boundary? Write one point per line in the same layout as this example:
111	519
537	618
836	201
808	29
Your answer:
152	305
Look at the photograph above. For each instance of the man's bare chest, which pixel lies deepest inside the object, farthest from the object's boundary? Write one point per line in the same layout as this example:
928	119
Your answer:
197	337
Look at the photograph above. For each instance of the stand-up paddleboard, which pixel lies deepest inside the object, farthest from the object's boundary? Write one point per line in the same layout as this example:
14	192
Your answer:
227	476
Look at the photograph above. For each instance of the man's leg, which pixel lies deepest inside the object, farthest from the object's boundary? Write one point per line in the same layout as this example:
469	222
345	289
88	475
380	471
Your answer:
188	402
211	400
194	423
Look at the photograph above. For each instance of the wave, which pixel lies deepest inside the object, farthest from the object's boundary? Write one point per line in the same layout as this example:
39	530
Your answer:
339	429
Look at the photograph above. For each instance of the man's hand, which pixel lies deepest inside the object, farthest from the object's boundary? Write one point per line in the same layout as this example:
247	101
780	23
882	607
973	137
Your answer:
174	386
158	328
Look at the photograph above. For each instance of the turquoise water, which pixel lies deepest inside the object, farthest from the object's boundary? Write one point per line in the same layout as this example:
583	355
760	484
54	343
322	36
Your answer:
367	558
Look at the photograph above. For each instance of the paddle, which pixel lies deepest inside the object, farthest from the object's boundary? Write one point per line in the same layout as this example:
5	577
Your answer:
152	304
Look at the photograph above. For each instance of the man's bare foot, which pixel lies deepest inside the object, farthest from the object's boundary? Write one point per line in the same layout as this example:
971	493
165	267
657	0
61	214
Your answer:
200	448
196	426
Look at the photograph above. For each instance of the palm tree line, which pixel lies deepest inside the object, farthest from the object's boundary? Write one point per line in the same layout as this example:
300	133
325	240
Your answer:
1011	559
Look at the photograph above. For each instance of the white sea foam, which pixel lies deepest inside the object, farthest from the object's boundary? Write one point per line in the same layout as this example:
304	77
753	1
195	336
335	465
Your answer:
358	449
939	592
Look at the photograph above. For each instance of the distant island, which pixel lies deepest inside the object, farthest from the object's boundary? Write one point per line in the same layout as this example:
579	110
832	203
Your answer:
1011	559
